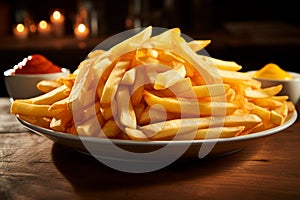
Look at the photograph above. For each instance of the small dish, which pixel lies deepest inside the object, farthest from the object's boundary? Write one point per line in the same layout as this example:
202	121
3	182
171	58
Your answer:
290	88
21	86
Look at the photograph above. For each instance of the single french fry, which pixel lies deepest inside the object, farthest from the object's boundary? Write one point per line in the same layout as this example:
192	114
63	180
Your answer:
166	79
263	113
111	129
197	45
48	85
222	64
153	114
211	133
126	112
191	108
22	108
112	82
263	93
136	134
203	91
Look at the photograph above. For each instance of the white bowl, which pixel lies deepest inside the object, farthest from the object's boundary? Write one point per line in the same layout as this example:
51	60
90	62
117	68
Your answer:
290	88
22	86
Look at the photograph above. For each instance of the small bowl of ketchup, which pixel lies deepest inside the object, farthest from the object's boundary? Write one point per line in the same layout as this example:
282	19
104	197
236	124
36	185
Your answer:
21	80
271	75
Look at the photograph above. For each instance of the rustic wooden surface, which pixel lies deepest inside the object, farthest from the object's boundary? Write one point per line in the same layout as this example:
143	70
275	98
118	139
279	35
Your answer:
33	167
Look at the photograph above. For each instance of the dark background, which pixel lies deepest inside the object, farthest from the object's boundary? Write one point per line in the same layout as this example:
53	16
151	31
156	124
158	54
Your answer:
252	33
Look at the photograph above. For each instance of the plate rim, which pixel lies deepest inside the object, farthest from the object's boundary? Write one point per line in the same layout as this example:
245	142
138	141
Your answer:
292	117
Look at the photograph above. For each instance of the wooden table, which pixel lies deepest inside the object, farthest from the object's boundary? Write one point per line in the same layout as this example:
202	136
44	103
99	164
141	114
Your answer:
33	167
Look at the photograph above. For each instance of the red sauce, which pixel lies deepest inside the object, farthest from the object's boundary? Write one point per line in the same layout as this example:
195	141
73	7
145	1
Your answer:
36	64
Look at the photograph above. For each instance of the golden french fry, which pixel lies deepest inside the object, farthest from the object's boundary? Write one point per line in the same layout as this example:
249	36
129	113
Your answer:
153	114
110	129
136	134
112	82
232	76
166	79
197	45
36	120
203	91
267	103
276	118
222	64
125	110
172	127
29	109
263	93
129	77
190	108
96	53
263	113
47	85
211	133
61	121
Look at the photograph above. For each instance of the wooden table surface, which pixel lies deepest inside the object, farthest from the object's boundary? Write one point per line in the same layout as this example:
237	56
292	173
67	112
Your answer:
34	167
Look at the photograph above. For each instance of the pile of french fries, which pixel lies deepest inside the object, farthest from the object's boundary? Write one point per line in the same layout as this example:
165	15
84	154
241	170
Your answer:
156	88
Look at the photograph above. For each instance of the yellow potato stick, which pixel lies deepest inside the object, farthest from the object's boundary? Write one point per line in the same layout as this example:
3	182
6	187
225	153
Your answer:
268	103
222	64
191	108
202	91
263	113
169	57
276	118
62	121
47	85
96	53
137	89
136	134
197	45
280	98
22	108
112	82
39	121
291	106
282	110
130	44
166	79
232	76
263	93
211	133
110	129
171	127
155	114
139	109
106	112
129	77
126	112
52	96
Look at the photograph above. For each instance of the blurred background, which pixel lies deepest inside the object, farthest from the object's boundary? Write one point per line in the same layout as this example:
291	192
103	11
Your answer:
251	33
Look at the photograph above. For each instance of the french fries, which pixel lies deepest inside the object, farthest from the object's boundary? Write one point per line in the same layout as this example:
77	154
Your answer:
156	88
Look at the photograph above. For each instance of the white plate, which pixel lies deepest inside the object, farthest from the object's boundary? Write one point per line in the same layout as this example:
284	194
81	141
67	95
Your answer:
102	147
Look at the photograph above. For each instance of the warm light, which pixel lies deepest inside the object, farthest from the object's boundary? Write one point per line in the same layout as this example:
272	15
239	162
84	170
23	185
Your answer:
32	28
81	28
56	15
44	28
20	28
43	24
81	31
57	20
20	31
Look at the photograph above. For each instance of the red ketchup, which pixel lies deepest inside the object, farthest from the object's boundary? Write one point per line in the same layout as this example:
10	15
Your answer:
36	64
